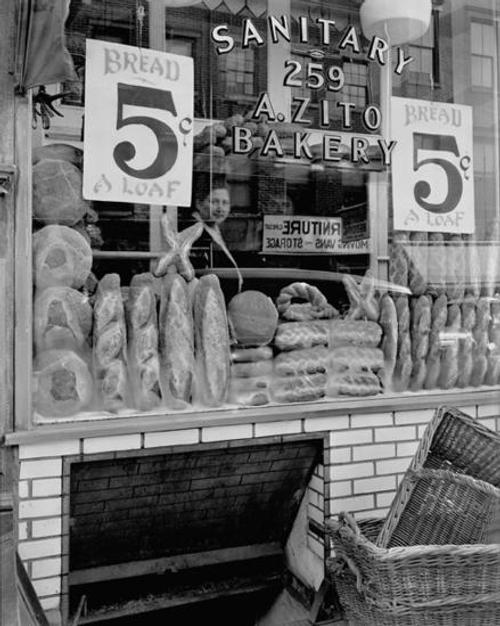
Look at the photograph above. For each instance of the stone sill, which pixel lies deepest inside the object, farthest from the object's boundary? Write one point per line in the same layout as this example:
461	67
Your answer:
103	426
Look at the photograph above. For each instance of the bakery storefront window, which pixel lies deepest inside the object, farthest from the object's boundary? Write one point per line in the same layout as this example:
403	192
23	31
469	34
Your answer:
250	204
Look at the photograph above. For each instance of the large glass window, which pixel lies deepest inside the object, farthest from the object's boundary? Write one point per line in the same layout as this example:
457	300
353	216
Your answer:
340	242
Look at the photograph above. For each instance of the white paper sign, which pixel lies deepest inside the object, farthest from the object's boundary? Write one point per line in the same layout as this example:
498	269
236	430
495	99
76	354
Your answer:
299	234
138	125
432	172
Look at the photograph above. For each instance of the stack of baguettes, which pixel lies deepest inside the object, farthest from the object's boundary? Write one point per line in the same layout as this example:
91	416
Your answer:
448	328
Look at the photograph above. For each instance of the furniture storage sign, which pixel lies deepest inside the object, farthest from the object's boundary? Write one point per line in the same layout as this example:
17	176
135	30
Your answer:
433	181
300	234
138	125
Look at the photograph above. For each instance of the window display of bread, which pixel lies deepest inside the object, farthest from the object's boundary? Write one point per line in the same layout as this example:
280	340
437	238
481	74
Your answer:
439	316
448	374
211	343
417	263
110	345
252	318
398	259
249	355
57	192
305	388
61	256
143	356
62	318
353	333
176	328
298	335
455	269
437	264
315	305
353	383
250	370
305	361
363	301
62	383
389	323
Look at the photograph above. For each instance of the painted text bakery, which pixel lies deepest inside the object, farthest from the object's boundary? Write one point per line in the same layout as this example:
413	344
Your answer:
257	243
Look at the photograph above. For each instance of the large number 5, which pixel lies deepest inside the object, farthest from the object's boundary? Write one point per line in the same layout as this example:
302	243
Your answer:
422	190
168	147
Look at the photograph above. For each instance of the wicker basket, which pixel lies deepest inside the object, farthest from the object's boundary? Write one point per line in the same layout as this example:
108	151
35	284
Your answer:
437	507
455	442
416	585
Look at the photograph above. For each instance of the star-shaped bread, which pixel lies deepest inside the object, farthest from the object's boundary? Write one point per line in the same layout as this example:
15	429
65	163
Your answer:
179	246
364	304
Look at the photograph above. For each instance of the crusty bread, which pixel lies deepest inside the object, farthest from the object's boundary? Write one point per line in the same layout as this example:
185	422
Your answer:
176	331
211	342
389	323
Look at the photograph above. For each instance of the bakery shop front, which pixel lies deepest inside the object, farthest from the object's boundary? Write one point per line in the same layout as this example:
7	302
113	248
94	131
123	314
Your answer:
255	246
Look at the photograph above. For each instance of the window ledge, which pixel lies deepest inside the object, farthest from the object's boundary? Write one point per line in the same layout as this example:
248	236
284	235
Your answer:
102	426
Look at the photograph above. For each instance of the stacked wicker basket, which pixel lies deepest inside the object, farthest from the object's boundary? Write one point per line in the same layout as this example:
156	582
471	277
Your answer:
430	562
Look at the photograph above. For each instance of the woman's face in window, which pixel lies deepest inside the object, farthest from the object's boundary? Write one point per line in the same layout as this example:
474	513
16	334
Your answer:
216	206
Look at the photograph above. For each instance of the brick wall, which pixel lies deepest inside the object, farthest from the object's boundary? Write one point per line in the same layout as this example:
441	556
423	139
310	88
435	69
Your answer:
365	458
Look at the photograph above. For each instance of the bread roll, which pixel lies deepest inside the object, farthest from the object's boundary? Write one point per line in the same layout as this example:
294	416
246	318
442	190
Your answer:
300	362
421	319
480	334
63	383
354	333
404	363
177	356
62	318
249	391
211	342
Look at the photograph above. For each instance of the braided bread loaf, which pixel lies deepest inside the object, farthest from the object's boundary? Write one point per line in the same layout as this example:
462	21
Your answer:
299	388
356	358
297	335
353	383
305	361
481	339
315	307
404	363
354	333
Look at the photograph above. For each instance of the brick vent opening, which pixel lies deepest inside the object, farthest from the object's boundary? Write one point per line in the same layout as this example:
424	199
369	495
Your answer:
170	531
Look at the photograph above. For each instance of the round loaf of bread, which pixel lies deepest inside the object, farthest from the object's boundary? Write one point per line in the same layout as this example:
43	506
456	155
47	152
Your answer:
252	318
63	384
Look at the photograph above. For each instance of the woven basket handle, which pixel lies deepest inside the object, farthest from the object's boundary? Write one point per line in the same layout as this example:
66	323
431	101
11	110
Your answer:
348	520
